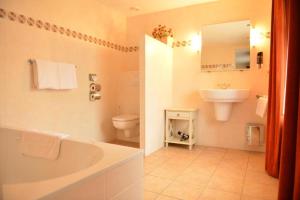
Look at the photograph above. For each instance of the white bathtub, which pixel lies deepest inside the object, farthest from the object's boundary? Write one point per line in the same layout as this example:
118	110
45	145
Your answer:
84	170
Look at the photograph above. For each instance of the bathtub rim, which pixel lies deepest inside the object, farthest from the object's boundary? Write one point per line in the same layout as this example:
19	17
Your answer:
47	188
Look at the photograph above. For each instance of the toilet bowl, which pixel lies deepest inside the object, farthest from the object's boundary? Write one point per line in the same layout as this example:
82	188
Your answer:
126	123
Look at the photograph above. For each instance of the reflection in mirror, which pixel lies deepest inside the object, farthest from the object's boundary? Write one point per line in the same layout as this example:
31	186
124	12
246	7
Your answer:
226	46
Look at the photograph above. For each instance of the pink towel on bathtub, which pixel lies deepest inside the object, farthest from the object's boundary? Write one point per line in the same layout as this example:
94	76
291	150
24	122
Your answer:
40	145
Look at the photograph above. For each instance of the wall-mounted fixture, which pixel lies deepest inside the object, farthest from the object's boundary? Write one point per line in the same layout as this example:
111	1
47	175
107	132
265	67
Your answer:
93	77
95	88
223	99
255	134
260	59
196	42
257	36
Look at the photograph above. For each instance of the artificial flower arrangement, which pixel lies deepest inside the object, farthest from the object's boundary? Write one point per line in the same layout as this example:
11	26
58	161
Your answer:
162	33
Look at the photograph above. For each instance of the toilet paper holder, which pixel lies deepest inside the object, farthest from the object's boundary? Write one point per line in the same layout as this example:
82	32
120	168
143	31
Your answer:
95	88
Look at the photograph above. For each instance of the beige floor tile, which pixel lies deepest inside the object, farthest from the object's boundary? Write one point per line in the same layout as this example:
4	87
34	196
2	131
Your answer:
155	184
267	192
146	171
148	168
206	171
190	156
163	197
246	197
194	177
256	162
164	153
184	150
183	191
150	195
217	149
260	177
231	169
154	160
197	148
202	162
207	160
230	172
210	157
209	194
168	171
257	155
210	153
226	184
177	161
236	154
232	165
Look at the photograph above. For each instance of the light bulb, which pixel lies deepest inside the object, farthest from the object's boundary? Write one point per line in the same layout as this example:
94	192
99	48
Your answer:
196	43
256	37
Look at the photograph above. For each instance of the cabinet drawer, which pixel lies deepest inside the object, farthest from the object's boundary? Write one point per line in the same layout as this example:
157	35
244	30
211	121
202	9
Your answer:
172	114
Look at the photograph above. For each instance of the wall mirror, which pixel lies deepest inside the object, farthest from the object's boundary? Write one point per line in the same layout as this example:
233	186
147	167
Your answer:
226	47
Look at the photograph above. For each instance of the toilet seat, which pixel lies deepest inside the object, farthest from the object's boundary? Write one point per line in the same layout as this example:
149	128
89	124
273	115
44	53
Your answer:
126	117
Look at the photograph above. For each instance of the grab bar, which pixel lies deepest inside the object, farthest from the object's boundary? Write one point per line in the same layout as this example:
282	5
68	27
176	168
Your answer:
32	61
259	96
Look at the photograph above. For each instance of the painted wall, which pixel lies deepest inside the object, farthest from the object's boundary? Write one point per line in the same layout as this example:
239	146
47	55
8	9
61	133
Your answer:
128	99
187	76
156	91
71	111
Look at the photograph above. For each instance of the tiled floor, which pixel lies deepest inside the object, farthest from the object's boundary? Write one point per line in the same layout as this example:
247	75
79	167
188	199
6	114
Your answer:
207	173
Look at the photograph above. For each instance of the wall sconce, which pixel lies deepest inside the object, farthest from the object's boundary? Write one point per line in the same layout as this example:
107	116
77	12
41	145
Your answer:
257	36
260	59
196	42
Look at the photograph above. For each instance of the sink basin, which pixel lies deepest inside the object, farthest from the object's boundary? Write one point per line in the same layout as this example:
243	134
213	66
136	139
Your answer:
223	100
225	95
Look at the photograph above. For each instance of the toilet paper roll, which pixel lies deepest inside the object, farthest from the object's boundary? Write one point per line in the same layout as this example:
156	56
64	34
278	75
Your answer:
95	87
95	96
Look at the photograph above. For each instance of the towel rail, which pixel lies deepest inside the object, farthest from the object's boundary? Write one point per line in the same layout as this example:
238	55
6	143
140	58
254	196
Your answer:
31	61
259	96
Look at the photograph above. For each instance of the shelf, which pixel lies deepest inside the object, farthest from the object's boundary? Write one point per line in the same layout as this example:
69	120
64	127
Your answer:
177	141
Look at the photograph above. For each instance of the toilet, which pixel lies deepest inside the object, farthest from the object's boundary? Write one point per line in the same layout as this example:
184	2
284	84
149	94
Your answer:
126	123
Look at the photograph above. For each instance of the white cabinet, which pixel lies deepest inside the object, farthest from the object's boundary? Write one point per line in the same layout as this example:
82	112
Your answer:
190	117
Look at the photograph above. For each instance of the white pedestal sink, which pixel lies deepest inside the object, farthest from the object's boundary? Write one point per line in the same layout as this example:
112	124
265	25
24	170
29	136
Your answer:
223	100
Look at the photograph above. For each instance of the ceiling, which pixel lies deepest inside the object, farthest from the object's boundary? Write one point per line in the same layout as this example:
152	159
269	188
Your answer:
138	7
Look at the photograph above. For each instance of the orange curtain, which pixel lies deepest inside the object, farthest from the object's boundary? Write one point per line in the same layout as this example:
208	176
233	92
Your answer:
289	179
276	88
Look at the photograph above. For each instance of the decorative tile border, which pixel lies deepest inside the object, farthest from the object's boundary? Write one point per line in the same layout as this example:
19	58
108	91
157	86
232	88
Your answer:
183	43
22	19
217	67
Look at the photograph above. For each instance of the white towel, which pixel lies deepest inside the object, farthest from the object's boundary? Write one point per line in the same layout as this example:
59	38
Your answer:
40	145
53	75
46	75
67	76
261	107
